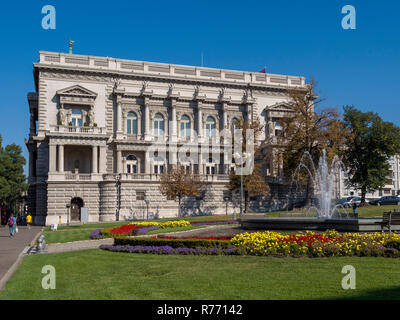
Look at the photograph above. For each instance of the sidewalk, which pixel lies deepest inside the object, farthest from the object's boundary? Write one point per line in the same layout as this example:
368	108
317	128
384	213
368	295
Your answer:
10	248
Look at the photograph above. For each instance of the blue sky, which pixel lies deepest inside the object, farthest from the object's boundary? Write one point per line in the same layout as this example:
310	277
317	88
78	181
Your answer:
359	67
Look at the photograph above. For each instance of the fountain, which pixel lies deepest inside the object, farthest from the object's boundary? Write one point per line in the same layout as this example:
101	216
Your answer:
328	214
323	180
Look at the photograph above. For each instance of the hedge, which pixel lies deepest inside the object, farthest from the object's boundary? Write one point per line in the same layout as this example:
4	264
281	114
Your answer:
174	243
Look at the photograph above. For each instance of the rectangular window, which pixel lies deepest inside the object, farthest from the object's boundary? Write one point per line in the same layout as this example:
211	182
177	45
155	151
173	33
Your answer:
129	129
140	195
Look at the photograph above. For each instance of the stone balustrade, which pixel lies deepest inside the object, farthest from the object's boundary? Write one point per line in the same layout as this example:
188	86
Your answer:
178	71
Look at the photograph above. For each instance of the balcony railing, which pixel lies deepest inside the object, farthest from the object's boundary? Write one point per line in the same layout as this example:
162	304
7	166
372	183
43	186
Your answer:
78	176
72	129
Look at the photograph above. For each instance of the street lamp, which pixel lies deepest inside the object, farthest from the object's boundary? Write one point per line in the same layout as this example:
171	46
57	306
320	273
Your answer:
118	186
237	156
68	205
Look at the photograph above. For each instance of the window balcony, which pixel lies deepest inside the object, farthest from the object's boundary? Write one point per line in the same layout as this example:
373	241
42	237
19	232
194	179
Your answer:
73	129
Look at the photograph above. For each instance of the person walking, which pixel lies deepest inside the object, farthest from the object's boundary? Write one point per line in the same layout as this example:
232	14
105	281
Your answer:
355	209
28	220
11	225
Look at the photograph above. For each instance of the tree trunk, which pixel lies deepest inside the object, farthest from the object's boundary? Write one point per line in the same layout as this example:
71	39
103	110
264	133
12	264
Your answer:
179	207
363	193
309	192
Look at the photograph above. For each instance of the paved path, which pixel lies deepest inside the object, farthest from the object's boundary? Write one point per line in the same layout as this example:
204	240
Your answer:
10	248
77	245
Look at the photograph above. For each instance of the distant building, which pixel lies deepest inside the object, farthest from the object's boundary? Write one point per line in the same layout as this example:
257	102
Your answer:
93	120
391	188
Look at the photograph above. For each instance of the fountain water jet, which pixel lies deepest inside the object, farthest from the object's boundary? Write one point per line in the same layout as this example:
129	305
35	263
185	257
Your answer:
323	180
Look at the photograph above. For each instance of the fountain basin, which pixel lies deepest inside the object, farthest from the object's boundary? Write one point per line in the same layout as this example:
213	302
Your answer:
258	222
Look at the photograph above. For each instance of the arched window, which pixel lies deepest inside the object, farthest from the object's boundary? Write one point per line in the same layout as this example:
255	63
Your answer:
210	127
76	118
185	126
158	125
132	123
131	164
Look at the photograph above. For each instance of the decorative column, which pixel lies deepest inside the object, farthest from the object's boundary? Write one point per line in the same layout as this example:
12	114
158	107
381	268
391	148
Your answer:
119	162
52	157
61	158
147	135
199	121
146	162
102	159
224	116
173	127
94	159
200	165
119	117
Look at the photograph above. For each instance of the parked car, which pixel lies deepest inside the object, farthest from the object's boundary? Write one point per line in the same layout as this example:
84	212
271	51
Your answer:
349	201
386	200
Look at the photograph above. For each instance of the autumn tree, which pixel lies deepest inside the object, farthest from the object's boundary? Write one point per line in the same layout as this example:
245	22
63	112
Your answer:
176	184
12	177
309	129
369	147
254	183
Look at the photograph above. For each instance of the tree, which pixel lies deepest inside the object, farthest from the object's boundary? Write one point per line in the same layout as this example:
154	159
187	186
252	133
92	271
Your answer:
12	178
177	184
309	130
369	147
254	183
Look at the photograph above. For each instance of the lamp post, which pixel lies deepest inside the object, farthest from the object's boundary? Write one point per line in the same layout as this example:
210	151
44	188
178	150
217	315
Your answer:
237	156
118	186
68	205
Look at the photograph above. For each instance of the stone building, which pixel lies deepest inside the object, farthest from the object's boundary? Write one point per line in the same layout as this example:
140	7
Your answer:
94	120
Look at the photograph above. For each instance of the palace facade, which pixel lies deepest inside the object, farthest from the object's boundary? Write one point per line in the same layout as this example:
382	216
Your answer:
94	119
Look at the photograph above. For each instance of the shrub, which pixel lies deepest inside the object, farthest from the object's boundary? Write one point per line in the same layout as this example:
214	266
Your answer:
174	243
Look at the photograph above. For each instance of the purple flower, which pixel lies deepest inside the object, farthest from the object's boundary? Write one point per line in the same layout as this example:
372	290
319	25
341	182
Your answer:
96	234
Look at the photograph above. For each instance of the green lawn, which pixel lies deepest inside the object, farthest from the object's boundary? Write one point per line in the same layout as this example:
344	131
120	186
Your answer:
98	225
66	235
97	274
363	212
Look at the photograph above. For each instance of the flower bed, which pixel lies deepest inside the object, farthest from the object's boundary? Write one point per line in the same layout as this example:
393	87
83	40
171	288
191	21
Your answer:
173	242
142	227
327	244
268	243
166	249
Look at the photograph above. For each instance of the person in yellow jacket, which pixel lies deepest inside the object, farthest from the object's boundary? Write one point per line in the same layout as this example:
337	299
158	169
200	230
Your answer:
28	220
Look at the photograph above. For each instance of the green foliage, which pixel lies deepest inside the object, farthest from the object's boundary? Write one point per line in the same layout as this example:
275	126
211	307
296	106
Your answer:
174	243
12	177
370	145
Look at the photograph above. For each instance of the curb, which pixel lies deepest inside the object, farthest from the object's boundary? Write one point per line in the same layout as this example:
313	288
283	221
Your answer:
10	272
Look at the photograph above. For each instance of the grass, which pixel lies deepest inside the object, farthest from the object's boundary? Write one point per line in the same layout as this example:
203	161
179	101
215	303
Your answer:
97	274
98	225
363	212
66	235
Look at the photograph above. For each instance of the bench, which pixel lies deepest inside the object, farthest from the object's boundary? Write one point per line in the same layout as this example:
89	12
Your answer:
389	219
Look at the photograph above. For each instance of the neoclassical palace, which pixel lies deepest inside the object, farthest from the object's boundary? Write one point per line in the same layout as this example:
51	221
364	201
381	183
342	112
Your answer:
94	119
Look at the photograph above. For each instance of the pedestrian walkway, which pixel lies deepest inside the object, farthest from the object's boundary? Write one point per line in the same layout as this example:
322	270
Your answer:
10	248
77	245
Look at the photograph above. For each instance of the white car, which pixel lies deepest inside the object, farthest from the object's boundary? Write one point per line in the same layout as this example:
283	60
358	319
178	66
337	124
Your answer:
349	201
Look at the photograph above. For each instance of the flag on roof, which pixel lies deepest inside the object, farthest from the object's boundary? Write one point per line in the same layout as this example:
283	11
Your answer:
263	70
